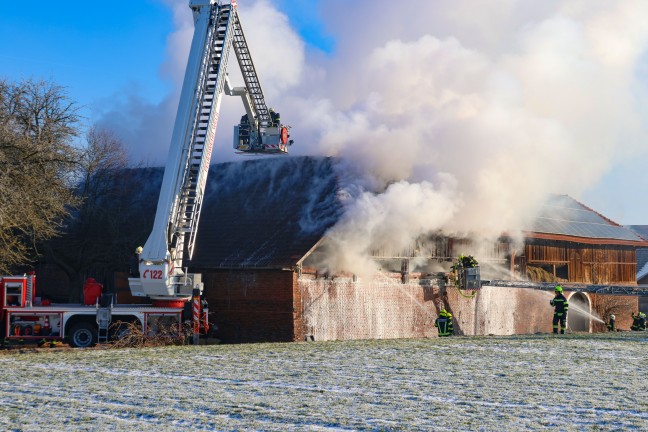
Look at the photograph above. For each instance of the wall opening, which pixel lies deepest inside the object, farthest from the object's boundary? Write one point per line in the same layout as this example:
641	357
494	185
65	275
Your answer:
579	315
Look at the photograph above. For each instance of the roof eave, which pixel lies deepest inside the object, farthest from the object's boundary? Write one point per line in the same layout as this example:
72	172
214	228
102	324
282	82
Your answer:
585	240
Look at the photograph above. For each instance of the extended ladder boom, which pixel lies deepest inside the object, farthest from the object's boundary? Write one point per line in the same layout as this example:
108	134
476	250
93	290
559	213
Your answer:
217	29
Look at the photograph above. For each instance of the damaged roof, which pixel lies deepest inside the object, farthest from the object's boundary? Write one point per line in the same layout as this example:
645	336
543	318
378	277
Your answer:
271	212
265	213
564	218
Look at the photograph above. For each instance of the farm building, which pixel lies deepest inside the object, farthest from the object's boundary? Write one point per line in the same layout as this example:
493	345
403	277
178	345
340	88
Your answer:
572	242
264	224
263	230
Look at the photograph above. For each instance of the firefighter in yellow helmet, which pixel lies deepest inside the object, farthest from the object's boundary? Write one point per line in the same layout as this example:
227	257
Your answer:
638	321
444	323
561	306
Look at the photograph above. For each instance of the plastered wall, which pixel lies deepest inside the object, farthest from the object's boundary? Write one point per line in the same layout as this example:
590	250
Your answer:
378	309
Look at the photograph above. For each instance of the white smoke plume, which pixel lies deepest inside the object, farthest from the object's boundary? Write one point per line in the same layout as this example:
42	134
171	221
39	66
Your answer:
477	109
460	116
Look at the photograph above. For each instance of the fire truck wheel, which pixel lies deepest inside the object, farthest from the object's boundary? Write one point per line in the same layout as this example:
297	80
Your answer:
83	335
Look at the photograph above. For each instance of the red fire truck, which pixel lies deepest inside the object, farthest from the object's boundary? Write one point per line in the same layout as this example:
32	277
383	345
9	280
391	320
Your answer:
27	317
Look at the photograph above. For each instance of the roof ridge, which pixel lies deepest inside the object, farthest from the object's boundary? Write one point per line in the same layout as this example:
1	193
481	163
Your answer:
564	216
595	212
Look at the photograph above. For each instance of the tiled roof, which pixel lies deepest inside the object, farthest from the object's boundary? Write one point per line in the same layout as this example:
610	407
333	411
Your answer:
563	215
642	230
265	213
642	253
642	271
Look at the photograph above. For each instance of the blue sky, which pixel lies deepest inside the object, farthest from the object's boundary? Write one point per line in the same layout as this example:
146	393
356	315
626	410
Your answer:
88	47
97	49
104	52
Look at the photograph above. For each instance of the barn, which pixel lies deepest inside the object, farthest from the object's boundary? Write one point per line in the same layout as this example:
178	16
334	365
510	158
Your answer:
264	222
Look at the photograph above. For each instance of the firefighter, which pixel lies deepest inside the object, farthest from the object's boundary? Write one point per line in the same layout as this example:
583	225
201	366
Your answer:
612	324
135	262
638	321
468	261
275	118
559	302
444	323
465	261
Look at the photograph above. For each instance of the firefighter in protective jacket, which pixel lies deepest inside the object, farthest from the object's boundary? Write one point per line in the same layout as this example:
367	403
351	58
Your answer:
638	321
612	323
559	302
444	323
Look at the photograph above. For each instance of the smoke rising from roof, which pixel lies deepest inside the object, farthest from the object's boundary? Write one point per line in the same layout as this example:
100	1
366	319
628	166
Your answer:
456	116
471	114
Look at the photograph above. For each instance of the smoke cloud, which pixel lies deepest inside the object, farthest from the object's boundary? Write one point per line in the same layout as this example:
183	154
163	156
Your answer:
471	114
457	117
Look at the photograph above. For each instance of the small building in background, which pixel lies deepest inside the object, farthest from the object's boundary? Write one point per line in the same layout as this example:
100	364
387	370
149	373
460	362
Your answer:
642	264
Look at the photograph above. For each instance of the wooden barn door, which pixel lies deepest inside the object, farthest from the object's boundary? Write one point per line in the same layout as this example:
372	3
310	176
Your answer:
575	267
599	273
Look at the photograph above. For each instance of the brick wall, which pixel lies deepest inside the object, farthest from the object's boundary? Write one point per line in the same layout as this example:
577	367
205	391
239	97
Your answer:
279	306
251	306
501	311
621	306
379	309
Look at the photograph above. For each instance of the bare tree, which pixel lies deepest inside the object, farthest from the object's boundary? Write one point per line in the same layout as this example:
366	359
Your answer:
38	123
103	156
91	243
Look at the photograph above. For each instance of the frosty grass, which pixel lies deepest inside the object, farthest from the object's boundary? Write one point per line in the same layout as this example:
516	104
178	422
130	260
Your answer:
572	382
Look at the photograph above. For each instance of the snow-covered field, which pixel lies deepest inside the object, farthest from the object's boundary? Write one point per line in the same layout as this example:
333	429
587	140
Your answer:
572	382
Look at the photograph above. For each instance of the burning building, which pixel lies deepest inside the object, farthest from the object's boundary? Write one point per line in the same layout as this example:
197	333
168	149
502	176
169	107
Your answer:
264	234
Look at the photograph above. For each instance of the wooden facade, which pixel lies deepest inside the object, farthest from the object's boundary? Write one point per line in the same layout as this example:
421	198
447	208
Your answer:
582	263
541	260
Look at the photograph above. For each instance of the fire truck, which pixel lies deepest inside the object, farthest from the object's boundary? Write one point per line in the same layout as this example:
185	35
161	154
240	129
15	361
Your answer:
175	294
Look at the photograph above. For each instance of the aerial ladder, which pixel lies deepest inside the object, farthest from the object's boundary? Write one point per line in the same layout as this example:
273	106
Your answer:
217	30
